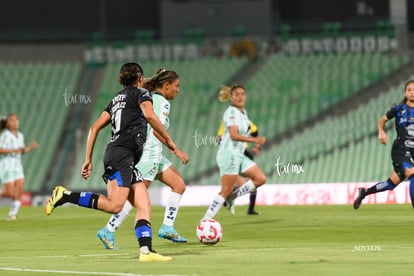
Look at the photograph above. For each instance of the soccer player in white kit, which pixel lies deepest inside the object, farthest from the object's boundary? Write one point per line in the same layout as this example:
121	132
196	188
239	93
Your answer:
154	165
230	158
11	169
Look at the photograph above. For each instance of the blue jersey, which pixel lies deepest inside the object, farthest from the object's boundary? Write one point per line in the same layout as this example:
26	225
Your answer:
404	124
127	118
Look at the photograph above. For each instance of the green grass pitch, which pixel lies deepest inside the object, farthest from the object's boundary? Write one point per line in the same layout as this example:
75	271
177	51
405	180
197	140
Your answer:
283	240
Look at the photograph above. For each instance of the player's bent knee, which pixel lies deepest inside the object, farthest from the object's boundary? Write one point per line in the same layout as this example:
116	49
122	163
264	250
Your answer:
180	189
259	180
116	208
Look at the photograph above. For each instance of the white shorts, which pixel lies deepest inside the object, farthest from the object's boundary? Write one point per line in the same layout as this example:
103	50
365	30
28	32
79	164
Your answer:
9	176
232	162
149	169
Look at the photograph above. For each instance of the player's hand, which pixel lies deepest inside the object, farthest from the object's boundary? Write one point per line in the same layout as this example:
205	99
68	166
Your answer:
34	145
182	156
260	140
382	137
86	169
256	150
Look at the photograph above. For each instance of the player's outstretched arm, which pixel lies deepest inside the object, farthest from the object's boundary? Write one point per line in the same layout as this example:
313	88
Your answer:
156	124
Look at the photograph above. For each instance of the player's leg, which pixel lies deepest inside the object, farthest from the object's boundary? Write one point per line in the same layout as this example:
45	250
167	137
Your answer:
107	234
381	186
252	203
113	203
8	192
252	199
119	176
409	172
16	199
143	232
227	184
172	178
255	175
228	162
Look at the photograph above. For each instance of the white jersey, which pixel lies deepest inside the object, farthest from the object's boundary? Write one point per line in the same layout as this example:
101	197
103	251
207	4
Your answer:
234	117
11	161
153	147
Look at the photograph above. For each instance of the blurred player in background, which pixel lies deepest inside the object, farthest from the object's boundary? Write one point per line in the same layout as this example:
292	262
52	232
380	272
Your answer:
128	113
12	148
240	180
154	165
230	155
402	149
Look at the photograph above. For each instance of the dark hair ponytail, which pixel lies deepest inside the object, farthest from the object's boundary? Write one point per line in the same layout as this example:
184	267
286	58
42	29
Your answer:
130	73
161	76
3	122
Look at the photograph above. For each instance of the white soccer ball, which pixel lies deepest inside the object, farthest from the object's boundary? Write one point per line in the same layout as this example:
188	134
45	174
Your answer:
209	231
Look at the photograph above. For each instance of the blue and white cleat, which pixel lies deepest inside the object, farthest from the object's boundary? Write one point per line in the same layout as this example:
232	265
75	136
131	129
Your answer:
107	238
169	233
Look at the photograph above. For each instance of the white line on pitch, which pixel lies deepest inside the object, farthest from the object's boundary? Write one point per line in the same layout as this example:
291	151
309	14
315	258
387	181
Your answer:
78	272
66	256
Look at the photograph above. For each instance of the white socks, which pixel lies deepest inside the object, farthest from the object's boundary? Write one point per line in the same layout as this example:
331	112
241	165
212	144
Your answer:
214	207
247	187
117	219
14	207
171	208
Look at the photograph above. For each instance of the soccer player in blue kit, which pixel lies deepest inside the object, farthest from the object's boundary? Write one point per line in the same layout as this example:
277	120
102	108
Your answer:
402	149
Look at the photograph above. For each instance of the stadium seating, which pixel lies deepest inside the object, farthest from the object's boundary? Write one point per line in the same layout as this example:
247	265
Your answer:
294	88
36	93
337	149
285	92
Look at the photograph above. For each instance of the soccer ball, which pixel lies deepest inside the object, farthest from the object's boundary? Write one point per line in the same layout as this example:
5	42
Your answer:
209	231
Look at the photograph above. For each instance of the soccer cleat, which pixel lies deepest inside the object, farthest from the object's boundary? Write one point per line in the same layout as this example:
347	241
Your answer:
107	238
229	202
153	257
361	196
253	213
169	233
12	217
57	195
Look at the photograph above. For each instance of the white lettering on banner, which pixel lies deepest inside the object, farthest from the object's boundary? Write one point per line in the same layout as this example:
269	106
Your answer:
340	45
296	194
155	52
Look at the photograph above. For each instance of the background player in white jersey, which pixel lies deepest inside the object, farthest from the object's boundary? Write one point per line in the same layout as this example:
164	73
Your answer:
11	169
154	165
249	152
230	155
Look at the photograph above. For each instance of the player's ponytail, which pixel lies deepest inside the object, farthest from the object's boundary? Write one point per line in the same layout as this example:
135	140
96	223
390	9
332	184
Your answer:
161	76
3	122
224	93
